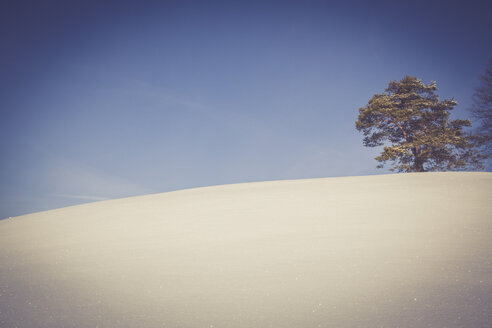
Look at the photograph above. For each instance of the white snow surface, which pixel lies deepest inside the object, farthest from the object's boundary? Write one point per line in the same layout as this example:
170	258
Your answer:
400	250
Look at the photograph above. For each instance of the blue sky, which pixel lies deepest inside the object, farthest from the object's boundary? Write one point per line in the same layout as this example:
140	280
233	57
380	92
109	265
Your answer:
108	99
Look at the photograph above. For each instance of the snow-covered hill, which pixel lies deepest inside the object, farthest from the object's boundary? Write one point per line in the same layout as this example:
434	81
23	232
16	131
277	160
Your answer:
402	250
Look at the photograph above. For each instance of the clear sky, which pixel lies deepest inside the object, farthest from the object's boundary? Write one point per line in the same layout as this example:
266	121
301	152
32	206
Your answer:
107	99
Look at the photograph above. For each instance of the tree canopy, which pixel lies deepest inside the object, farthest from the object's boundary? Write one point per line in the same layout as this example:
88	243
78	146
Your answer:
481	108
413	124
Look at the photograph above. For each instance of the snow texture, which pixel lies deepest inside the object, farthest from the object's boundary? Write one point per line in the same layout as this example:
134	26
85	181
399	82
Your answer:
402	250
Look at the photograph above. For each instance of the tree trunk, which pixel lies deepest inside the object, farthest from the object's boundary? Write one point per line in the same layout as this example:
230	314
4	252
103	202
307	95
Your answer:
418	163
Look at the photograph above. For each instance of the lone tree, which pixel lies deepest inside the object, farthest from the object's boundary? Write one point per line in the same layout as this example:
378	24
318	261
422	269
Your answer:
481	108
410	117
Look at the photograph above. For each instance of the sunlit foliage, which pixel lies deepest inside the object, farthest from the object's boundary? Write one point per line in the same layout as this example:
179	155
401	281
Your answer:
413	124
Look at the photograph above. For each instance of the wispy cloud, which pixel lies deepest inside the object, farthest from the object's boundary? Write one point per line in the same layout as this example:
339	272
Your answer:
72	179
221	116
83	197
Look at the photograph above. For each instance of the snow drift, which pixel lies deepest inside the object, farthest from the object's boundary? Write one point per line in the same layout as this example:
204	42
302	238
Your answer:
402	250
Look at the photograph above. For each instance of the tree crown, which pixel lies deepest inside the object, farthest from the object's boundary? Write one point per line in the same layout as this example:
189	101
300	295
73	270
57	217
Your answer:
411	118
481	108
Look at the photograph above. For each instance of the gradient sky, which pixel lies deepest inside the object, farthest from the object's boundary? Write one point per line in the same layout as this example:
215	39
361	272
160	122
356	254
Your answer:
107	99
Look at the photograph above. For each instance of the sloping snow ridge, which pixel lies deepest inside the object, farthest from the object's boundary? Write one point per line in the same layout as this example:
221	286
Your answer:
401	250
